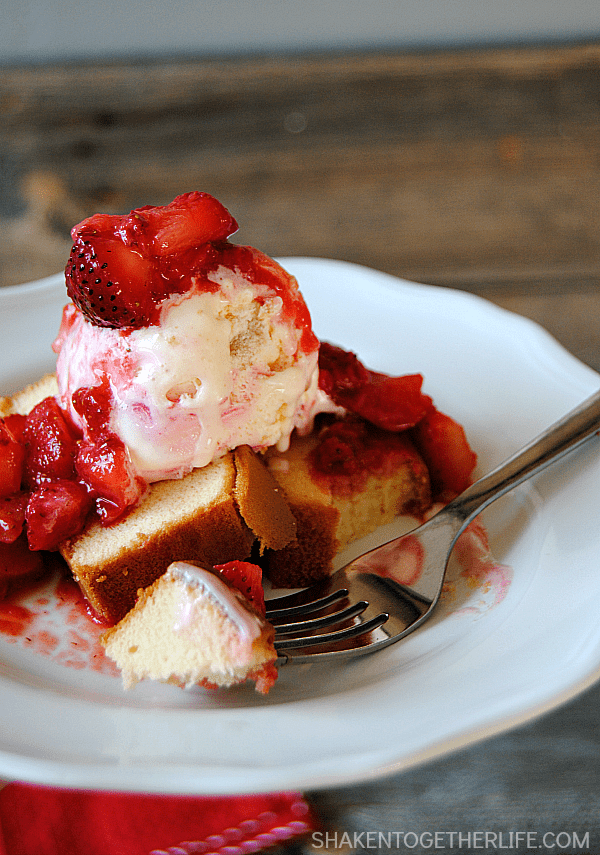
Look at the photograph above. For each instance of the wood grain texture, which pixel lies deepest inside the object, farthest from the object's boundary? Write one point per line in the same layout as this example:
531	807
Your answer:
474	169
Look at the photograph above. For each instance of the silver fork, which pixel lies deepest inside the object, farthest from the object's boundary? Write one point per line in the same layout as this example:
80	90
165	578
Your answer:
361	608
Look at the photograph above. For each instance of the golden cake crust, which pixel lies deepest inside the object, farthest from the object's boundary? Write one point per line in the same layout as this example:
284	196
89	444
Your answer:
193	518
25	400
261	501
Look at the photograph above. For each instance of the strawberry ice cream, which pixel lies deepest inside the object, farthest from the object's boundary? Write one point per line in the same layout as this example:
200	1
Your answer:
222	368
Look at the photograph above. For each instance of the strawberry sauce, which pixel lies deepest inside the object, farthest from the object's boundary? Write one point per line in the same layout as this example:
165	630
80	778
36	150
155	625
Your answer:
51	618
349	452
400	416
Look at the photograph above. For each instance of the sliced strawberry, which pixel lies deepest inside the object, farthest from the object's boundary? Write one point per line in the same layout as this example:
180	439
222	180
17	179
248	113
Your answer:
12	457
446	451
247	578
106	469
341	374
109	282
391	403
51	444
93	404
190	220
122	267
56	511
12	516
15	423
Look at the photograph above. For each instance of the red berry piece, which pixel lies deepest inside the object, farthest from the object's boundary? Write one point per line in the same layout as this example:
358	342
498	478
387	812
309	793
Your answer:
51	444
106	469
109	282
446	451
56	511
93	404
12	457
341	374
122	267
190	220
12	516
15	423
391	403
247	578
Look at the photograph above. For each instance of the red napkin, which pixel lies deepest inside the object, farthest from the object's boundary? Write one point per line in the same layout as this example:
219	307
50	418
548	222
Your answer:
37	820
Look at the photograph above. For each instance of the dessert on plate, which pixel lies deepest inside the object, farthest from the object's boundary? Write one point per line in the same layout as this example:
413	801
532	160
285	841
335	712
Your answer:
195	417
195	626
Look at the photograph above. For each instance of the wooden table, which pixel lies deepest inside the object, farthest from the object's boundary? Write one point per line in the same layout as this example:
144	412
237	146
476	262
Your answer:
473	169
477	170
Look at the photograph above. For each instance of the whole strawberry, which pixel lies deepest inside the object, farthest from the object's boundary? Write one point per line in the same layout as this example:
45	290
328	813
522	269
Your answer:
122	267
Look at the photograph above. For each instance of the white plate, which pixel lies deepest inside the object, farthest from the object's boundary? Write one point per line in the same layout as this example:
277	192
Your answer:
491	658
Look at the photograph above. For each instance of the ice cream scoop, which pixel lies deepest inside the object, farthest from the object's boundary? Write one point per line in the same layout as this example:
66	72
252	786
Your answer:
210	346
224	366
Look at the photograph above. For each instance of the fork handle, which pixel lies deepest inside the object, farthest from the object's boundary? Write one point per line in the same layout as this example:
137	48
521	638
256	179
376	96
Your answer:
562	437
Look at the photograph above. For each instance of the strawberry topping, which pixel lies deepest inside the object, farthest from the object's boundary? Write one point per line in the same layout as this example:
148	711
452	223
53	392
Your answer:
93	404
446	451
122	267
391	403
55	512
51	477
106	469
394	404
53	504
247	578
108	281
102	461
12	457
17	563
12	516
15	423
348	451
51	444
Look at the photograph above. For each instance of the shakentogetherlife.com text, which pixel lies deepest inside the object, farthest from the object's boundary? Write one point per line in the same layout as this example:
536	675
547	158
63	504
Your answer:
562	842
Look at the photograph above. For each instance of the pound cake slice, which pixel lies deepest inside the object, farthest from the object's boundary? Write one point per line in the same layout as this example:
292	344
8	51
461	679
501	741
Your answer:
212	515
194	627
342	481
192	518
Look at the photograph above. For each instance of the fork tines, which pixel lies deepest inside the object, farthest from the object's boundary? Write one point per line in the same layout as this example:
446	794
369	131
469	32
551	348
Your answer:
334	612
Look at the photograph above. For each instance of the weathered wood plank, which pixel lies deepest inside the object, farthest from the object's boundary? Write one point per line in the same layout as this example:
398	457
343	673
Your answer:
479	169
